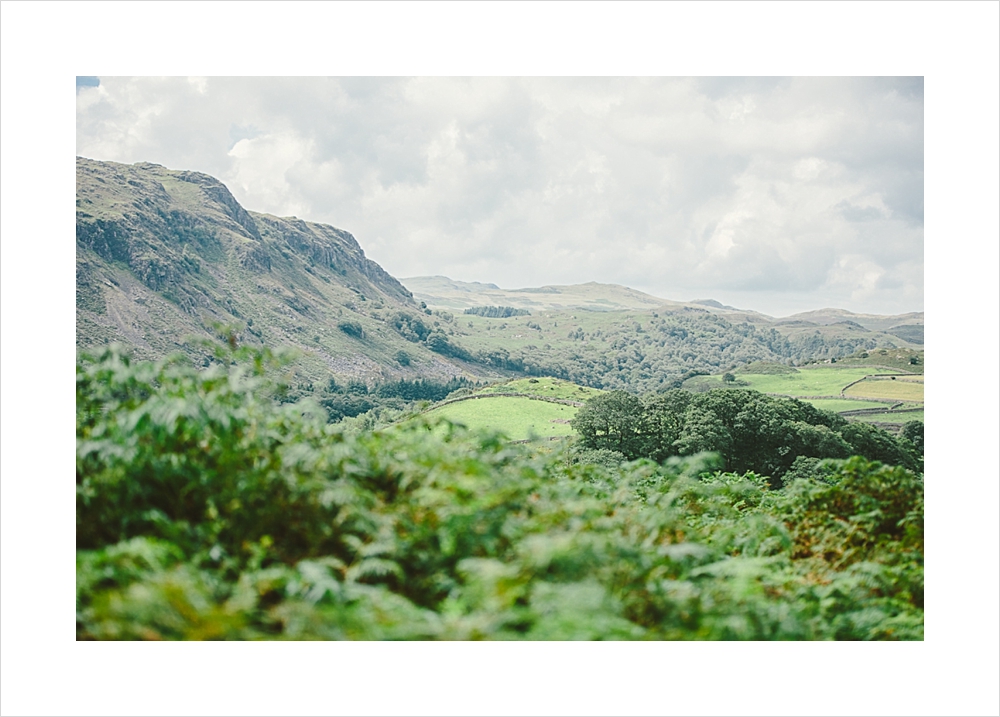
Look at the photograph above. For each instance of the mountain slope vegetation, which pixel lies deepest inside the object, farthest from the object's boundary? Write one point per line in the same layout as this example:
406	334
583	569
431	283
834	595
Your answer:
163	255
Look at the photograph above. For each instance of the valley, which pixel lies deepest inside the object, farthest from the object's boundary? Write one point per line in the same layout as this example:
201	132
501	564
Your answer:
561	462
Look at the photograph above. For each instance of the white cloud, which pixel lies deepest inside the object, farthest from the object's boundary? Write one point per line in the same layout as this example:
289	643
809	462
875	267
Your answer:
761	187
260	169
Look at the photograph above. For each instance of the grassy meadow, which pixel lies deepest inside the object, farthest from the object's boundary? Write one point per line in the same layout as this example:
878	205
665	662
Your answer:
841	404
902	389
819	381
516	417
545	386
891	417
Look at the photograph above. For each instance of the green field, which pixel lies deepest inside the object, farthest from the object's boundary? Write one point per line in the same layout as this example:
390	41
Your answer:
544	386
819	381
518	418
902	389
842	404
829	380
891	417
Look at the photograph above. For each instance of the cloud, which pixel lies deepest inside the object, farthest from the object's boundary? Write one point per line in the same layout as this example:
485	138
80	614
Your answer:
760	187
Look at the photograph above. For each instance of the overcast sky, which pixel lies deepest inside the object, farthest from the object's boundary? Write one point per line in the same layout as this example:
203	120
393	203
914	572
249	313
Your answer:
779	195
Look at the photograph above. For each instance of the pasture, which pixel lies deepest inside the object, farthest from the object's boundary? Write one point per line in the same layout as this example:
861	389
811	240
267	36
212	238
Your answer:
828	381
517	418
842	404
819	381
544	386
893	417
902	389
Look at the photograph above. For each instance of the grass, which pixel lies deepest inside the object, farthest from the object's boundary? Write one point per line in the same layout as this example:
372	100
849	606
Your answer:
895	358
899	418
840	404
518	418
545	386
819	381
904	390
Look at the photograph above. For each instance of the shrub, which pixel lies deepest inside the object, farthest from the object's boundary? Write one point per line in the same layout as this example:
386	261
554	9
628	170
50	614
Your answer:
206	510
352	328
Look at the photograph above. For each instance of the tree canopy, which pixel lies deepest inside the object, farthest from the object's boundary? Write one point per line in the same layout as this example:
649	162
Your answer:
751	431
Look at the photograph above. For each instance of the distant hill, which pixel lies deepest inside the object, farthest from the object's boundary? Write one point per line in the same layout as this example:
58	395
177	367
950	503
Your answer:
444	293
873	322
163	254
440	292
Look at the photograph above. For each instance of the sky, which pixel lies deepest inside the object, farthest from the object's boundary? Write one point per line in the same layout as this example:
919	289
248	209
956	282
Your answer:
774	194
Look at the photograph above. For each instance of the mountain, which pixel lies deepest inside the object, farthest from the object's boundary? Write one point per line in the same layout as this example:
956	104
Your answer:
444	293
873	322
440	292
163	255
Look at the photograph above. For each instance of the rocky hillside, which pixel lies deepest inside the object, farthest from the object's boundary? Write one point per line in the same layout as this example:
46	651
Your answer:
163	256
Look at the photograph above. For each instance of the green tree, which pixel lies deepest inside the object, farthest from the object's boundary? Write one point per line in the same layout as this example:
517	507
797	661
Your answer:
663	422
703	432
612	421
913	431
877	445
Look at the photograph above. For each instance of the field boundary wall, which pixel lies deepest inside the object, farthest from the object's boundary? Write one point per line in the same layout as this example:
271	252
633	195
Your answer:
547	399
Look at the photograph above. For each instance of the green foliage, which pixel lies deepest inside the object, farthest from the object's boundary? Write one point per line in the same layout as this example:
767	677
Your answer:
207	510
749	430
353	397
763	368
410	327
437	341
610	422
352	328
913	431
496	312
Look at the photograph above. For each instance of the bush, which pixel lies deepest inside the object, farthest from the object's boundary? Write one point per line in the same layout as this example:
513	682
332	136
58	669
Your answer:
352	328
206	510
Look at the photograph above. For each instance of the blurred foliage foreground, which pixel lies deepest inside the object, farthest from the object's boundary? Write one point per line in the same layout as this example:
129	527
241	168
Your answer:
208	510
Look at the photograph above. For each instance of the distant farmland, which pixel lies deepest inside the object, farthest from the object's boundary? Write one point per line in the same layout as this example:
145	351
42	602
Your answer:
902	389
842	389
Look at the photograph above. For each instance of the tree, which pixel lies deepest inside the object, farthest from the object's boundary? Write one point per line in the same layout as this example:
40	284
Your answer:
352	328
877	445
704	431
728	378
913	431
612	421
663	422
